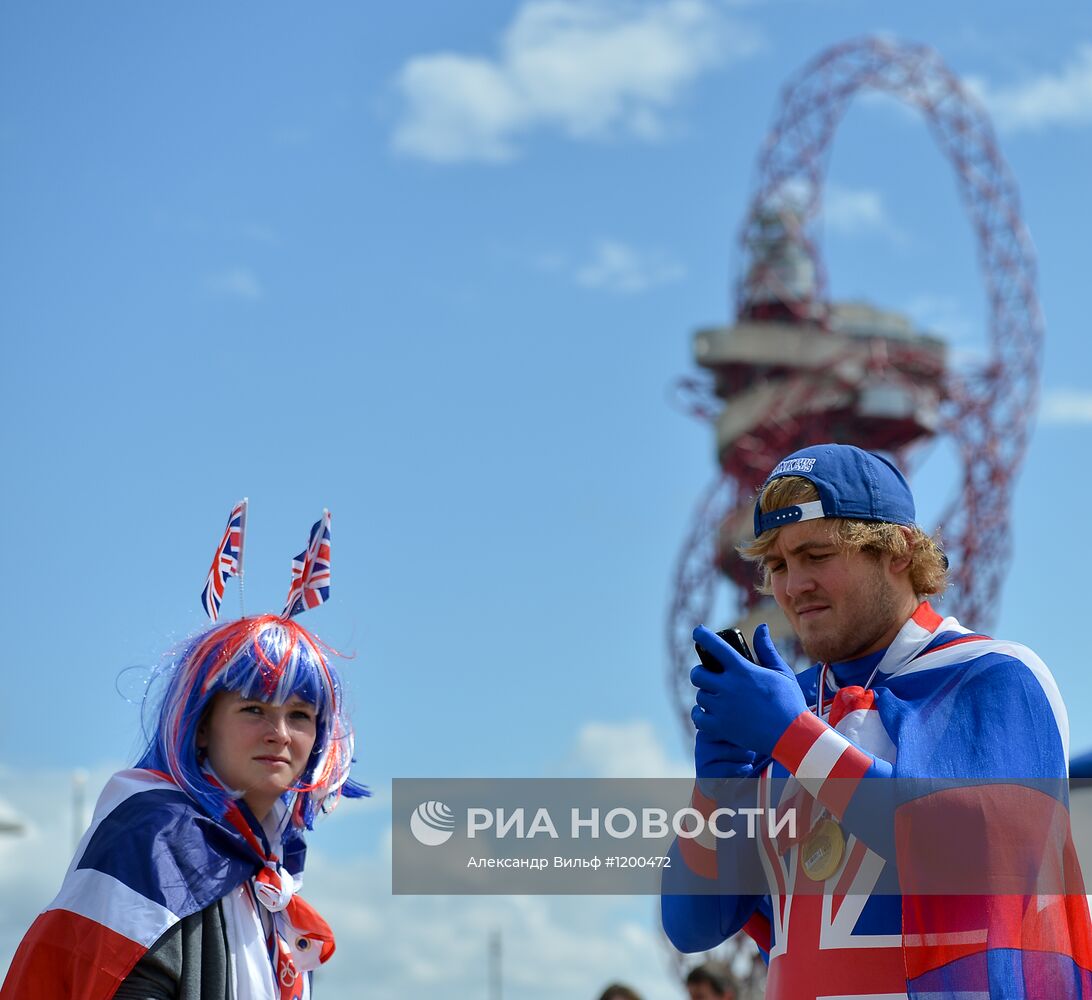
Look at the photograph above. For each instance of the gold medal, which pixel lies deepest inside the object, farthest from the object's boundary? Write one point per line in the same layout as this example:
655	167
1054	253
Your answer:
822	850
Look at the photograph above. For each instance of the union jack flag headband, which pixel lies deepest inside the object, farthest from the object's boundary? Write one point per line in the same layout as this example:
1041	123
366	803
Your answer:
310	569
227	561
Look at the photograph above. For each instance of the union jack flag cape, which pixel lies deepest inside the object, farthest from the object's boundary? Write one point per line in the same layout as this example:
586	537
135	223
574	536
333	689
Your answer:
149	859
978	729
311	571
227	562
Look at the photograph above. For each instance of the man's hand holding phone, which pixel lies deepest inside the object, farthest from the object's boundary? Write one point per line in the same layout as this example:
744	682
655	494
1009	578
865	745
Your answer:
744	703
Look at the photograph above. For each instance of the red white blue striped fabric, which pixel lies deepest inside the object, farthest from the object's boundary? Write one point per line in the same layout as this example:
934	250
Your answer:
311	571
150	858
114	903
227	562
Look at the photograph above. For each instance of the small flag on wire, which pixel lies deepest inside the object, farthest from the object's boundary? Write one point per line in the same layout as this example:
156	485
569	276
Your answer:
311	571
227	562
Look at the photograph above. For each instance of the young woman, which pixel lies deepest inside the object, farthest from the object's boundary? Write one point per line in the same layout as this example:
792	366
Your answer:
184	887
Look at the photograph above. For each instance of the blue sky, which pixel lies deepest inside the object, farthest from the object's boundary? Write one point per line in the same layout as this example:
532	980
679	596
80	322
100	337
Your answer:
436	267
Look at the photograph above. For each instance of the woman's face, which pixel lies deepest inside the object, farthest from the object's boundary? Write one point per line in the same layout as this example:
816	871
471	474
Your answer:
257	748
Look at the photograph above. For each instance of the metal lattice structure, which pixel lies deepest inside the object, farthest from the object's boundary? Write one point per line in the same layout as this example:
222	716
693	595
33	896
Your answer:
985	413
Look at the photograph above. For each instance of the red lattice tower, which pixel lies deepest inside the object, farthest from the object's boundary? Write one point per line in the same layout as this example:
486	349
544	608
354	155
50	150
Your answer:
985	412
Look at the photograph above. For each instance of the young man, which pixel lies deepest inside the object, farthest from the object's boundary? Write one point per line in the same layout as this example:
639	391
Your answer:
966	737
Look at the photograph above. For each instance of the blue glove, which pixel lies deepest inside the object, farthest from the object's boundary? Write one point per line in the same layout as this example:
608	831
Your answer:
718	763
750	704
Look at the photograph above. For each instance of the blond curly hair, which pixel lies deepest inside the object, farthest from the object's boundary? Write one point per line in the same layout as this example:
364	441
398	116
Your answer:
928	564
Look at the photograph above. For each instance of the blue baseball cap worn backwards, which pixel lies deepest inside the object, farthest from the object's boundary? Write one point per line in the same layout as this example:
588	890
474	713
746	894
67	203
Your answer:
851	483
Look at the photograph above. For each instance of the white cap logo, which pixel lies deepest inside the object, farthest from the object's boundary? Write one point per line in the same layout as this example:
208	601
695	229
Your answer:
432	823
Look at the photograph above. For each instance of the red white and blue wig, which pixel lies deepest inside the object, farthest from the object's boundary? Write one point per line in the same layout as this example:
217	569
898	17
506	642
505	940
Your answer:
268	658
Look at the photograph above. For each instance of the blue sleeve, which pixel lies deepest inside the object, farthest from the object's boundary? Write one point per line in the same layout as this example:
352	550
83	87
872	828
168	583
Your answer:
701	922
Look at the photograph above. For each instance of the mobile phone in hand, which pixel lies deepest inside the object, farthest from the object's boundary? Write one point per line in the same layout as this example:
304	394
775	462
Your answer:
735	638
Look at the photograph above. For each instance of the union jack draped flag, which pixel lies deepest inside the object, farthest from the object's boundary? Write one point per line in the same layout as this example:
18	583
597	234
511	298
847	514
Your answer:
150	859
311	571
227	562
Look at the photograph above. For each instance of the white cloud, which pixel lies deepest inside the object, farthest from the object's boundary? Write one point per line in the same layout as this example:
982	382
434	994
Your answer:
587	68
945	316
617	267
1066	407
889	105
853	210
1062	98
623	750
552	946
9	817
235	283
856	211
